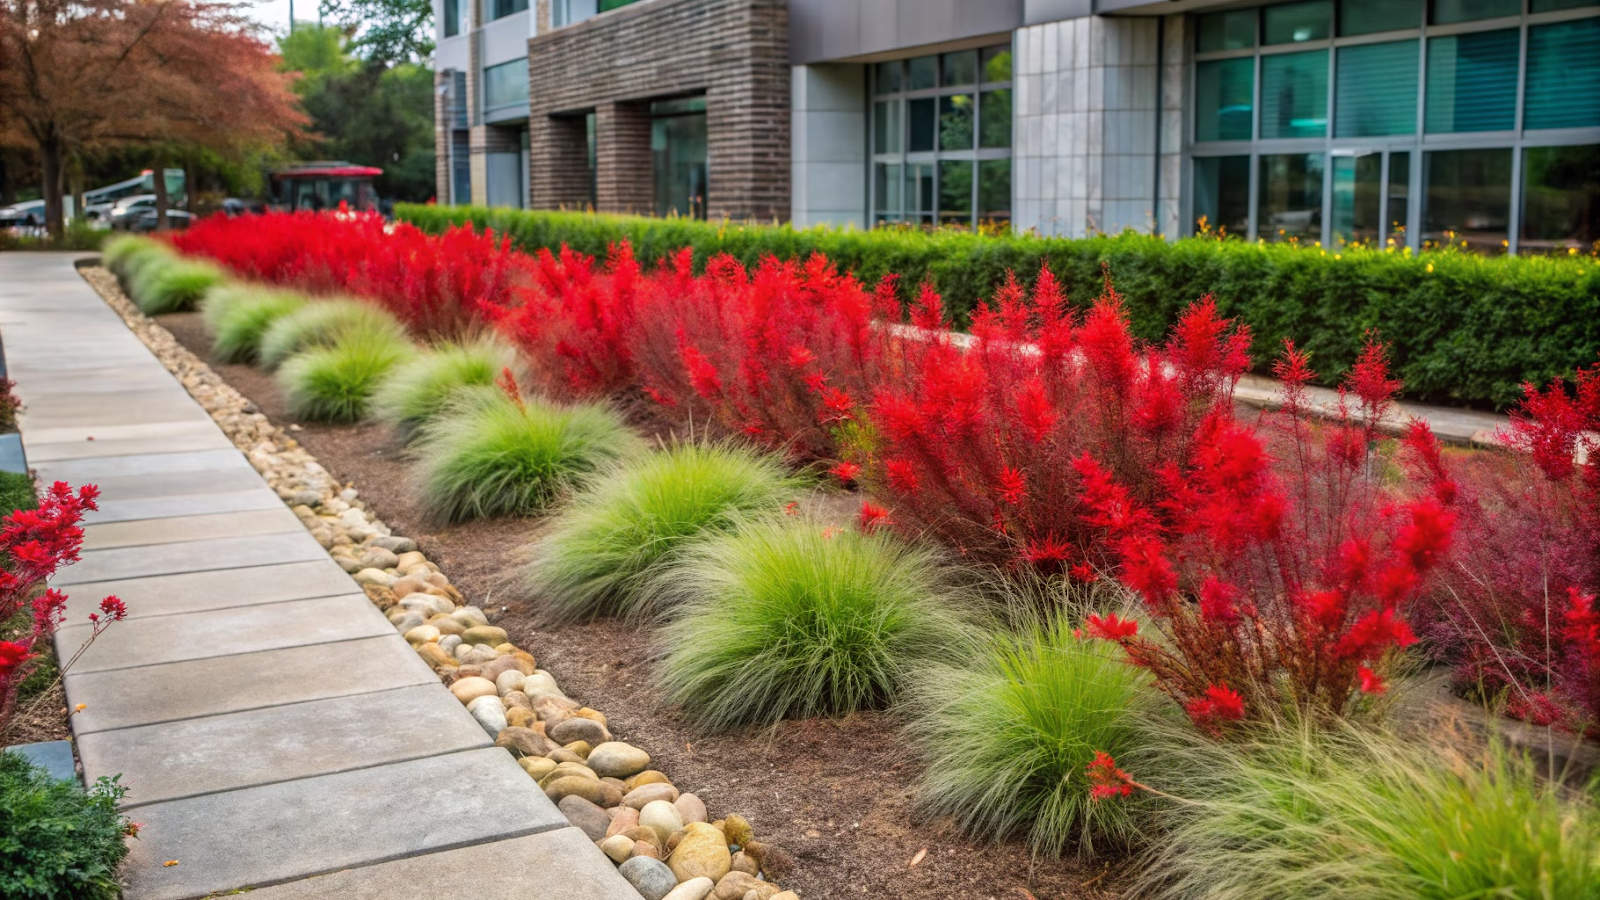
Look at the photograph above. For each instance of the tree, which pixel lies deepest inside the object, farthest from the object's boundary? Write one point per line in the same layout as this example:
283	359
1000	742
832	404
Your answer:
386	31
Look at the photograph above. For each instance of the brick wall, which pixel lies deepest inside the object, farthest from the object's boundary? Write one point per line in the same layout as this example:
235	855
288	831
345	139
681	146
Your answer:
735	51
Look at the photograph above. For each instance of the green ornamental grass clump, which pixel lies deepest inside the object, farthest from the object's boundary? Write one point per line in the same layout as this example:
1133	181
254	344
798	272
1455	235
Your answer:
324	323
1008	735
16	492
784	618
1364	813
240	314
56	839
126	251
171	285
335	383
421	387
489	454
603	552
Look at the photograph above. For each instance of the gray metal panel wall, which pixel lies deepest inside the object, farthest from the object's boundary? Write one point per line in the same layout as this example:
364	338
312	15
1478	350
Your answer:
823	30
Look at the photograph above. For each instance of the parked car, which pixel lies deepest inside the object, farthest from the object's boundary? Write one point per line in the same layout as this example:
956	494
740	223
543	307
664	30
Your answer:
124	211
23	215
145	222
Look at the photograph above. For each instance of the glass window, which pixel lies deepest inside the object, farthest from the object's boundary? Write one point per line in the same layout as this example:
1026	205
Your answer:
924	73
994	190
678	164
1292	23
1563	75
1467	197
1377	90
506	84
997	64
922	114
955	191
1222	194
1372	16
1358	197
886	77
955	122
1290	197
919	193
1472	82
452	18
1294	95
1223	98
886	178
1446	12
1399	194
1542	6
886	126
1231	30
960	68
1560	198
994	114
499	9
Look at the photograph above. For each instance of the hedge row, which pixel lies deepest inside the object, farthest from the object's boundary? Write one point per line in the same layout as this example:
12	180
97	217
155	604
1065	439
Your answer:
1463	328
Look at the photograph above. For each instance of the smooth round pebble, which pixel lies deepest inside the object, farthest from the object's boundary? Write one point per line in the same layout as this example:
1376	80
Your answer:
507	681
589	818
618	760
490	713
469	689
693	889
470	616
639	796
692	808
662	817
650	877
617	847
701	852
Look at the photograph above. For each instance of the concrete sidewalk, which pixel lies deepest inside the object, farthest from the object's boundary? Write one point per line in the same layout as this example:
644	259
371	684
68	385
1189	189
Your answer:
268	721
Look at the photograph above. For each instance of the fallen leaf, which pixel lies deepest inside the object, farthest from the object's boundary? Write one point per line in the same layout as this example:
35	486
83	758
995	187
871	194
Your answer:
918	858
170	862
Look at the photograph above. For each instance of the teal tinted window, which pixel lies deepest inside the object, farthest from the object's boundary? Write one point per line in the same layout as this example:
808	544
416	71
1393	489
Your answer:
506	84
1294	95
1377	89
1541	6
1563	75
1222	194
1560	198
1372	16
1472	82
1468	198
1290	190
924	73
1223	98
960	68
1232	30
1293	23
923	116
1446	12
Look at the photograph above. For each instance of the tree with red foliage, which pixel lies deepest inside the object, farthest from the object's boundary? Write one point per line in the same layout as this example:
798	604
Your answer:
1276	582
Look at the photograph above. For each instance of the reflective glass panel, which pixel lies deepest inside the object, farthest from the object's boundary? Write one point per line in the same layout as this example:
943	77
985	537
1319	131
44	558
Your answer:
1446	12
922	114
1399	195
1563	75
919	192
1290	197
1560	198
1372	16
994	114
886	77
1540	6
997	63
678	151
886	126
1472	82
1292	23
1294	95
955	191
1377	89
1222	194
886	181
960	68
1467	197
1358	197
452	18
994	190
506	84
1223	98
955	122
1231	30
924	73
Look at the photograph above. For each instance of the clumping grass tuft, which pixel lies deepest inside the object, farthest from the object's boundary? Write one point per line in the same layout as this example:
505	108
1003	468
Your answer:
605	549
171	285
335	384
784	618
128	251
1007	737
324	323
489	455
239	314
420	388
1363	813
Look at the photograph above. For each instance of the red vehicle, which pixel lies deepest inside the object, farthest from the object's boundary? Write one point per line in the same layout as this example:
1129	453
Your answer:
323	185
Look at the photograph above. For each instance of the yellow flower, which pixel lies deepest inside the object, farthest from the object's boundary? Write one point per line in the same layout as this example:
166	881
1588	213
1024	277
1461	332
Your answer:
1430	267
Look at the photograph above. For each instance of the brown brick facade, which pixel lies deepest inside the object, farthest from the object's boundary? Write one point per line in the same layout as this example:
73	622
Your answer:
733	51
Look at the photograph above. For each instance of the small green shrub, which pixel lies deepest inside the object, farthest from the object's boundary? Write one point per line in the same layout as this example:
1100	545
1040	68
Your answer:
78	235
16	492
783	618
606	547
335	384
1008	735
240	314
1363	813
57	841
421	387
488	455
127	251
171	285
324	323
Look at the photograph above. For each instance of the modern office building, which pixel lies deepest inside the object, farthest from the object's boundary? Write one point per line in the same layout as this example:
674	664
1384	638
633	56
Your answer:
1311	120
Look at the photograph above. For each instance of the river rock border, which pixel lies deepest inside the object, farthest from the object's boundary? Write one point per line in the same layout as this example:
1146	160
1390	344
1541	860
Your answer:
663	841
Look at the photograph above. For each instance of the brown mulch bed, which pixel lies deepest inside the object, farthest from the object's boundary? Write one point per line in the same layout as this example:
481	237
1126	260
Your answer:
836	794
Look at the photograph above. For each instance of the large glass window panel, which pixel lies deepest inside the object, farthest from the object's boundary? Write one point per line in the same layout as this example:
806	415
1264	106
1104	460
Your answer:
1563	75
678	150
955	191
923	73
997	63
886	126
994	190
956	121
1231	30
499	9
1560	198
886	77
886	183
994	115
1467	197
1292	23
1372	16
1543	6
919	193
960	69
1222	194
506	84
923	116
1294	95
1358	197
1290	197
1399	195
1472	82
452	18
1446	12
1376	92
1224	94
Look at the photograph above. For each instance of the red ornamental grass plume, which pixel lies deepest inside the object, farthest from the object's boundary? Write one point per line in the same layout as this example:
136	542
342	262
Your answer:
872	517
1106	781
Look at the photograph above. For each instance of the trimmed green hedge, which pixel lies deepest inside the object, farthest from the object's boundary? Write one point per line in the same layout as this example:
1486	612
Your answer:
1462	328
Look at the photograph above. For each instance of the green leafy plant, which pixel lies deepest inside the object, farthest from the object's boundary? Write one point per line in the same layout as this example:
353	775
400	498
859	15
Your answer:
324	323
1365	813
58	841
335	384
490	454
605	549
16	492
786	618
420	388
240	314
1008	737
172	284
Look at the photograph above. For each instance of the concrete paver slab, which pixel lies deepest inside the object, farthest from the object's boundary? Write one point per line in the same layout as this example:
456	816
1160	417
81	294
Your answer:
141	532
78	471
185	437
163	595
191	556
116	488
114	510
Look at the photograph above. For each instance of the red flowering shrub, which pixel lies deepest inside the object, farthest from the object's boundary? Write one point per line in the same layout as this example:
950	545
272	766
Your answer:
34	543
973	441
1276	582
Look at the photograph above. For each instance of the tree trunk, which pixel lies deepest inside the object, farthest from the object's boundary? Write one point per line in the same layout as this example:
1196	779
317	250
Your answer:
75	179
160	183
8	194
191	186
51	155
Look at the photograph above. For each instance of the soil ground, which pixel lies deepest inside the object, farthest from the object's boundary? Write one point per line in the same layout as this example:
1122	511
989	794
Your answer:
835	793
